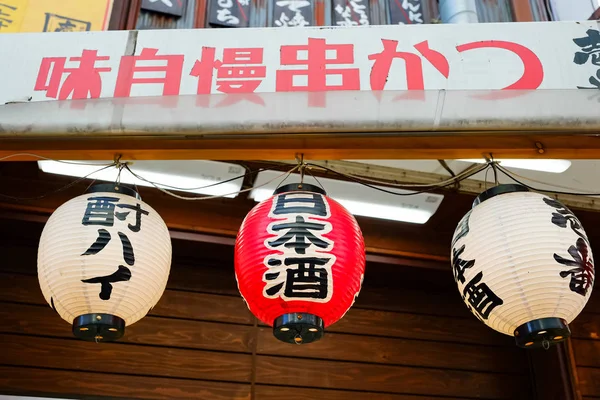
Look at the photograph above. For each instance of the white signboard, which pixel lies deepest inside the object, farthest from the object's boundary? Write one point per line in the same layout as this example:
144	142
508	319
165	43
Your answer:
519	56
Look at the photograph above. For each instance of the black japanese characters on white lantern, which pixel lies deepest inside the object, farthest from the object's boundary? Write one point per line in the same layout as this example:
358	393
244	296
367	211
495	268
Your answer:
103	261
523	264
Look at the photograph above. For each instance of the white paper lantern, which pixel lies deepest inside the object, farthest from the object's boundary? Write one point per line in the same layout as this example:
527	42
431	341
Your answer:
103	261
523	264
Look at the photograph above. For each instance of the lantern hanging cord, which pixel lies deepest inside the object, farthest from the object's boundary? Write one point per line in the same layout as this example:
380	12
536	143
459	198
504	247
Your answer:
120	167
485	179
59	189
315	178
494	166
512	176
285	174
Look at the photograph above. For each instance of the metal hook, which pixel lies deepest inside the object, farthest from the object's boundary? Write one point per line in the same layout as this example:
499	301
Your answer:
298	339
494	165
120	166
301	167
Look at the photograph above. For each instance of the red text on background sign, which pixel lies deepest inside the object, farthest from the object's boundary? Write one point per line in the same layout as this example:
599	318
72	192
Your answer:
241	70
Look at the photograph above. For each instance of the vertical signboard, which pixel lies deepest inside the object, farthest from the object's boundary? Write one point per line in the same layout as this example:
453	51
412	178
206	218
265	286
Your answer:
351	12
406	12
11	15
229	13
54	15
293	13
171	7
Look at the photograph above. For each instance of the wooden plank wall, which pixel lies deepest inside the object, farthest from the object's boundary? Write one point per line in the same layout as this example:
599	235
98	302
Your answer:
586	347
408	337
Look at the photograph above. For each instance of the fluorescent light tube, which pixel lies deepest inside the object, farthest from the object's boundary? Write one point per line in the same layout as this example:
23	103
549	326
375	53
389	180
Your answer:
187	176
360	200
386	212
553	166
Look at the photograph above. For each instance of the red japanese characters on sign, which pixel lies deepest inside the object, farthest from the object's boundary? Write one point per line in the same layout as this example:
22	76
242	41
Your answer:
82	82
316	71
316	66
172	72
240	70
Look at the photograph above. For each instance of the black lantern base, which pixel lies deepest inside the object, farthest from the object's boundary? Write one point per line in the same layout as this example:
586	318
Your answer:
543	332
298	328
98	327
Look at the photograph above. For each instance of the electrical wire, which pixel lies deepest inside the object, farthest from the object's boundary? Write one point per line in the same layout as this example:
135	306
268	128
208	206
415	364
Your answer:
120	166
470	171
509	174
359	181
364	181
286	174
410	186
545	183
206	186
50	159
445	165
56	190
284	179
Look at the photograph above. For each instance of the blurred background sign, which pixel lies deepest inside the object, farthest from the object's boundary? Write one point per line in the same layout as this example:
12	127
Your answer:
171	7
351	12
293	13
229	13
54	15
406	12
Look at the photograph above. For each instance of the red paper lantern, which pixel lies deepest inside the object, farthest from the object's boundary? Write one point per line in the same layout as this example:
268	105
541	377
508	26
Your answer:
299	262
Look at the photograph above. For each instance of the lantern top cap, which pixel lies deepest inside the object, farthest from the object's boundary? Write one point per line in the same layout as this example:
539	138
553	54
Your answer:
498	190
299	187
114	188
